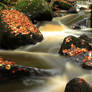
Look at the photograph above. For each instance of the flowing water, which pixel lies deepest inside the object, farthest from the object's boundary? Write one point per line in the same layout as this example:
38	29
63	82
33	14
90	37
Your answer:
45	55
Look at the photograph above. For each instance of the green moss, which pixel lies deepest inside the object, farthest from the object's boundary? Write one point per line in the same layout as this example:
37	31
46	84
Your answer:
22	5
34	7
3	6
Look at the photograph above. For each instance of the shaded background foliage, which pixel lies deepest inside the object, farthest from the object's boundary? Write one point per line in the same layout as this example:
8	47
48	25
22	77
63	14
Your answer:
31	8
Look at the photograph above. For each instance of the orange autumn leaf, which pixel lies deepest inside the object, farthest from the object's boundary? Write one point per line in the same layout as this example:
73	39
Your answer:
89	58
17	22
8	67
68	39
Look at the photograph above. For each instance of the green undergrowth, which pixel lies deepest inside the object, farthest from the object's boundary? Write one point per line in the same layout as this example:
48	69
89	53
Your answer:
33	6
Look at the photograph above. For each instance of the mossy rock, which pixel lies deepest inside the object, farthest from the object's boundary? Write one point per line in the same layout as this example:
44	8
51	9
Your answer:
37	10
10	70
17	30
42	16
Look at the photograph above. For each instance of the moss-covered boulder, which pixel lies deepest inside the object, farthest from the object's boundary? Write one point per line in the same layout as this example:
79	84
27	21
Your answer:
37	10
78	85
17	30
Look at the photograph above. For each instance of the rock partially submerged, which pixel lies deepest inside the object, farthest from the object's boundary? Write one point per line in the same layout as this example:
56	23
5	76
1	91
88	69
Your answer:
72	43
72	10
87	65
79	50
10	70
17	30
78	85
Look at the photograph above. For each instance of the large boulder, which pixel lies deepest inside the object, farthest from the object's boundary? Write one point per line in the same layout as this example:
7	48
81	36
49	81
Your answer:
42	16
79	49
78	85
39	10
72	43
17	30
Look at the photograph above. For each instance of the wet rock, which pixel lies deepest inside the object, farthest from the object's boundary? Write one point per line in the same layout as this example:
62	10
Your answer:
78	49
72	10
72	43
87	65
39	10
86	38
82	23
78	85
76	27
62	4
83	8
17	30
43	16
10	70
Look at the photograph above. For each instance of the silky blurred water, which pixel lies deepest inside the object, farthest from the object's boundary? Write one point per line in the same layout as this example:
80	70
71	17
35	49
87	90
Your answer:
45	55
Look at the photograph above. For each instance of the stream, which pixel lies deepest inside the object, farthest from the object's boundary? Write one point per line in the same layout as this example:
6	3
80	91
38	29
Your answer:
45	55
